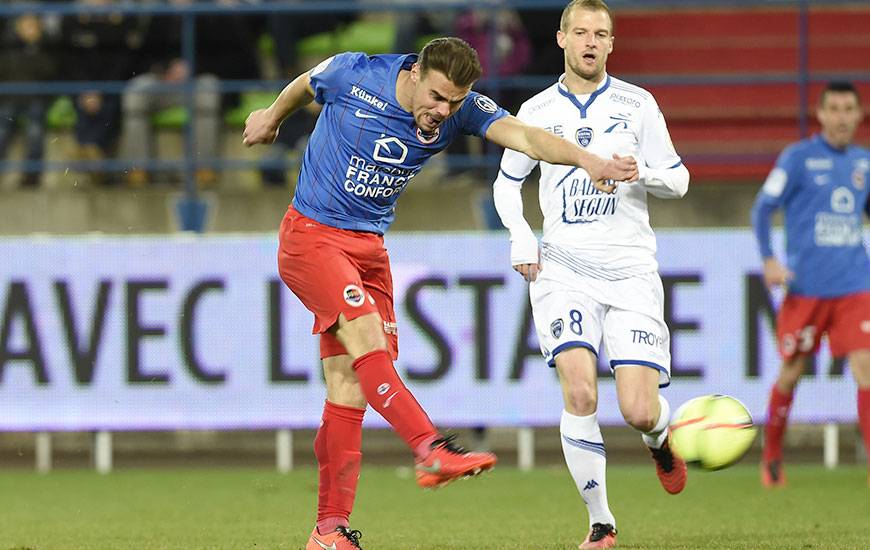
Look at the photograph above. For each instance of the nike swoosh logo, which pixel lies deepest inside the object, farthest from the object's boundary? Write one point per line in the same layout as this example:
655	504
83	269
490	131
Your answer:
360	114
433	469
325	547
390	398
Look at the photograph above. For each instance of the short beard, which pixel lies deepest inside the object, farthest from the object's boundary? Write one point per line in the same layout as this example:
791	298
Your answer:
587	76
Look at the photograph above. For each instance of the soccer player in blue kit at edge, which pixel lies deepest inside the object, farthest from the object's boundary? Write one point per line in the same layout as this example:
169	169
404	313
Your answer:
384	116
821	185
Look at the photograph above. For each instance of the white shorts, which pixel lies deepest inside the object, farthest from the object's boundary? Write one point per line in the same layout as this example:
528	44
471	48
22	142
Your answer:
575	311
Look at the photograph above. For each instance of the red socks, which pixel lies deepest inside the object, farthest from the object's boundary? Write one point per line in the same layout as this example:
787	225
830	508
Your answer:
387	394
337	448
777	418
864	418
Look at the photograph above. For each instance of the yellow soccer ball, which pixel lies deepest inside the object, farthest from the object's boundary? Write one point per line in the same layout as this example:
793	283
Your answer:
712	431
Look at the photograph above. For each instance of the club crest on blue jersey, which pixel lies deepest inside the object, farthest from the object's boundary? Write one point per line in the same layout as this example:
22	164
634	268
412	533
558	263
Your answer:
584	136
430	138
556	328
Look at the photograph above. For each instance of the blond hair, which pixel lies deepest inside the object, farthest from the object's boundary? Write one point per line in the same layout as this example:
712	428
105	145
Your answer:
589	5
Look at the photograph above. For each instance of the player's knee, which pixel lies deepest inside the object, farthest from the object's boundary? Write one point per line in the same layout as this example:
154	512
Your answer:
347	392
791	370
640	416
581	398
362	335
859	364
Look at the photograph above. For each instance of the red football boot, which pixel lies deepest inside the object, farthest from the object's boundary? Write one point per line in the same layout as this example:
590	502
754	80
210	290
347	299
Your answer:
340	539
772	473
447	462
602	535
670	468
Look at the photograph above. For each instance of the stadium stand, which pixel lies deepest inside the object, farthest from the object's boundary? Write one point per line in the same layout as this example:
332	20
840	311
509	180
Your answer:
733	100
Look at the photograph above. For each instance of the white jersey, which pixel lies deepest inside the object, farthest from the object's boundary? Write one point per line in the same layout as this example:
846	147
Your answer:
597	235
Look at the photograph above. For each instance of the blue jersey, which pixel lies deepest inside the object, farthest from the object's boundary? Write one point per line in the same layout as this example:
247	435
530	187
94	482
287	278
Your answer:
824	193
365	148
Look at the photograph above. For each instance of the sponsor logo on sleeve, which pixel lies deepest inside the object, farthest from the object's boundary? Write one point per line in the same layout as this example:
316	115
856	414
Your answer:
485	104
775	182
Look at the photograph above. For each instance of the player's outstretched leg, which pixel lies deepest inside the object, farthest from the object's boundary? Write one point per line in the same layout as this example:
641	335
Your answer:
670	468
602	535
772	472
340	539
438	460
448	462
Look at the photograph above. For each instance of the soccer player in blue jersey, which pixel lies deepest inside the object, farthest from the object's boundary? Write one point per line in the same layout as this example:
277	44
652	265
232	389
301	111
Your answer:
384	116
821	184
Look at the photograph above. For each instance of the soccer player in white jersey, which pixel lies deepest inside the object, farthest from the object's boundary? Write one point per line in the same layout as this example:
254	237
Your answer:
594	276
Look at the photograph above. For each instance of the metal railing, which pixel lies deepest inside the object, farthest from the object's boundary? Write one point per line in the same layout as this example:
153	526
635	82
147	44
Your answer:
191	208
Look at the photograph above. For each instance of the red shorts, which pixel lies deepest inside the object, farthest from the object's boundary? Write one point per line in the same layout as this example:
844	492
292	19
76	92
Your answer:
335	271
802	320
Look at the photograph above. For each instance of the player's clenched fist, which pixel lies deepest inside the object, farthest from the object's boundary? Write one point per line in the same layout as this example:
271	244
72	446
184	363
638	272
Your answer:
260	127
606	174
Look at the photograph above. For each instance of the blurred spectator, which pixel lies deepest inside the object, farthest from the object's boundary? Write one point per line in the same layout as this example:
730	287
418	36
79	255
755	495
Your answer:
25	57
99	47
504	49
286	30
414	25
292	137
499	37
225	49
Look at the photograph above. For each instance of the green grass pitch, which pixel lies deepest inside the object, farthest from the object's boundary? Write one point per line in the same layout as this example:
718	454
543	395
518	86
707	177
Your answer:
260	509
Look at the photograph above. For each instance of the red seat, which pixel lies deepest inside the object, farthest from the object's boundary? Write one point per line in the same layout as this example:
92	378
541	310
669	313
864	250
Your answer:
735	131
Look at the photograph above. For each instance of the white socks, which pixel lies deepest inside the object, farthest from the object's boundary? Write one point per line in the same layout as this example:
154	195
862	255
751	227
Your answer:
586	458
656	437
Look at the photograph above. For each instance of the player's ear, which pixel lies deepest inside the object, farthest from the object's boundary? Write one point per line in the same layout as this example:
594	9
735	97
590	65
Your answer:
560	38
415	72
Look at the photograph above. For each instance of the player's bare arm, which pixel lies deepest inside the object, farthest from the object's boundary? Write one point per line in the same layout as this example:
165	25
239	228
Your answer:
775	274
536	143
261	126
